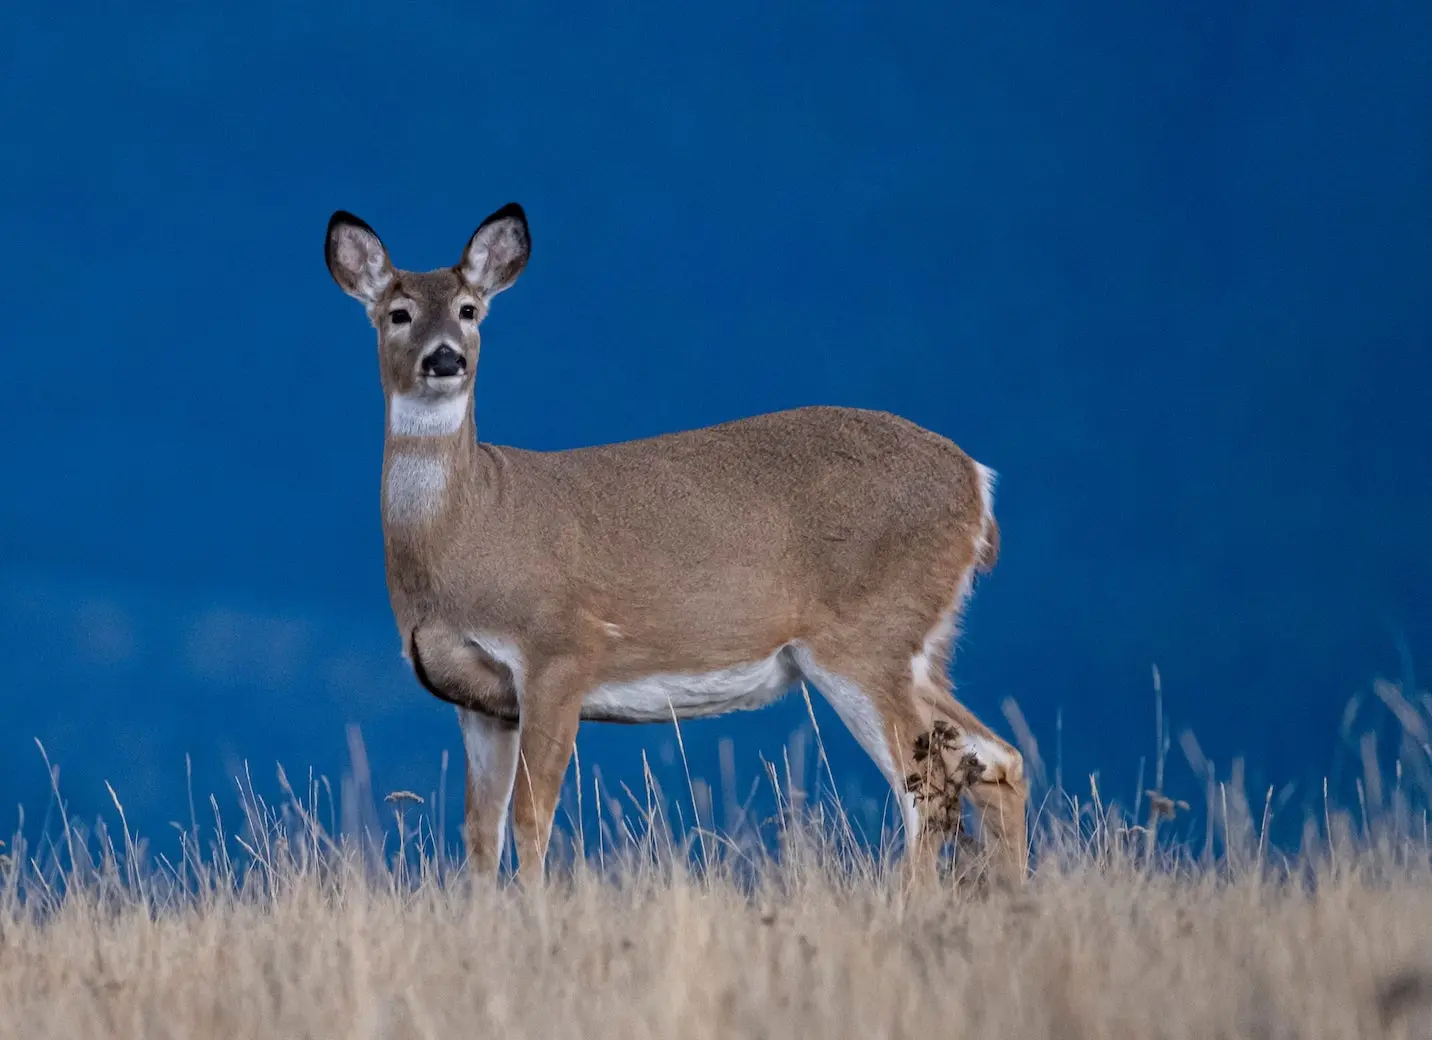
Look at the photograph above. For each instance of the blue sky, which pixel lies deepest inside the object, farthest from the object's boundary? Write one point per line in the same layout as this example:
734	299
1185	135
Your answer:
1164	267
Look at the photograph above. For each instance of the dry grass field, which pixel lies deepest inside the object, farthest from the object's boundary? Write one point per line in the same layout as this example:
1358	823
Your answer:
279	929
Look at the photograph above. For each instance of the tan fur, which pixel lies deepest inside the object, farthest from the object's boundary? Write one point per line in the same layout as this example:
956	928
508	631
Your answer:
851	536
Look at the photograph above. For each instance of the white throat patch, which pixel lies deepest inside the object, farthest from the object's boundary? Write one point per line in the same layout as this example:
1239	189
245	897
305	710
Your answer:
414	415
415	488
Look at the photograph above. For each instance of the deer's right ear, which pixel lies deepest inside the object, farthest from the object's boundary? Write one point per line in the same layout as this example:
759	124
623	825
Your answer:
357	259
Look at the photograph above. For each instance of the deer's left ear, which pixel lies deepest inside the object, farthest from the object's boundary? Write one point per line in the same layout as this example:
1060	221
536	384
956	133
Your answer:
357	259
497	251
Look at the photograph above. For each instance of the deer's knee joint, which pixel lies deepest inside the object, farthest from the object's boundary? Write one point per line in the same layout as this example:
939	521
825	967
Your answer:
997	762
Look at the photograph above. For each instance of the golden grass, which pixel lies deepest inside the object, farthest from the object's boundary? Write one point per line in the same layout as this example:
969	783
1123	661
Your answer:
1084	953
284	930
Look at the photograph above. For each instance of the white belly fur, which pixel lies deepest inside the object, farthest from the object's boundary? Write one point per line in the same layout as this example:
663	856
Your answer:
654	698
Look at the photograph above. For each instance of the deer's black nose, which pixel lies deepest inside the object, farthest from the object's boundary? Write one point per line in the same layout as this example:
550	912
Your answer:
444	361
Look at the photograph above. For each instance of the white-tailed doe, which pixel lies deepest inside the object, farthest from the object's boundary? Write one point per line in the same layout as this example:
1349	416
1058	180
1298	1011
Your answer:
680	576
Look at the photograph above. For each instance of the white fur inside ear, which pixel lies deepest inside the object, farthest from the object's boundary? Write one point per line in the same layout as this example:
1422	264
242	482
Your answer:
495	256
474	264
362	256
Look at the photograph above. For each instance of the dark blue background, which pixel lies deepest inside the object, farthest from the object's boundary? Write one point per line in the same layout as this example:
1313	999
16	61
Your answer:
1165	267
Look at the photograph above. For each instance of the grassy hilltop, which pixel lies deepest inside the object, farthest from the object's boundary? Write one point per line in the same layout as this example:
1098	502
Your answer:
282	927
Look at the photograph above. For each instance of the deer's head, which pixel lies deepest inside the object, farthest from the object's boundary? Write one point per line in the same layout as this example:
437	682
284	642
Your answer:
428	321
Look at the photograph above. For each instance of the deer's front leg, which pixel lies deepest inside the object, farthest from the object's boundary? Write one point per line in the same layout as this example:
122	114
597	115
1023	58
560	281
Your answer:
551	712
453	667
490	745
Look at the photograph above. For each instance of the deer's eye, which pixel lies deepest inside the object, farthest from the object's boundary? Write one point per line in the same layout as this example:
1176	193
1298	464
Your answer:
400	317
467	312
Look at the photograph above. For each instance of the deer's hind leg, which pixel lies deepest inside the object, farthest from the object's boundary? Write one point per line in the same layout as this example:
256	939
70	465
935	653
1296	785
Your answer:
992	769
888	680
876	703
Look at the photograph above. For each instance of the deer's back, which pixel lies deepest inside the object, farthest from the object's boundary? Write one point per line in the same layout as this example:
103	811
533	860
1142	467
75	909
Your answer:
835	491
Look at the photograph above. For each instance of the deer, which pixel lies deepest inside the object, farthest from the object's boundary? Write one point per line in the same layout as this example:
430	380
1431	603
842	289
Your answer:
682	575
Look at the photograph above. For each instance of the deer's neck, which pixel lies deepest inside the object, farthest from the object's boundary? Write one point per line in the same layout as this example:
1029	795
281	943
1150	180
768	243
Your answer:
430	461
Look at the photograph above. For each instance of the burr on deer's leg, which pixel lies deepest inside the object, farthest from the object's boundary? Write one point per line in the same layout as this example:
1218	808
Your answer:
876	703
992	780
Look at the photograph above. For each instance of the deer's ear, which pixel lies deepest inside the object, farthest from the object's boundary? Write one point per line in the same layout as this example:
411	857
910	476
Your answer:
497	251
357	259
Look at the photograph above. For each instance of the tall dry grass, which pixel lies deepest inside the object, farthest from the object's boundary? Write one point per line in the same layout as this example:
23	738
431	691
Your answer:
273	924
